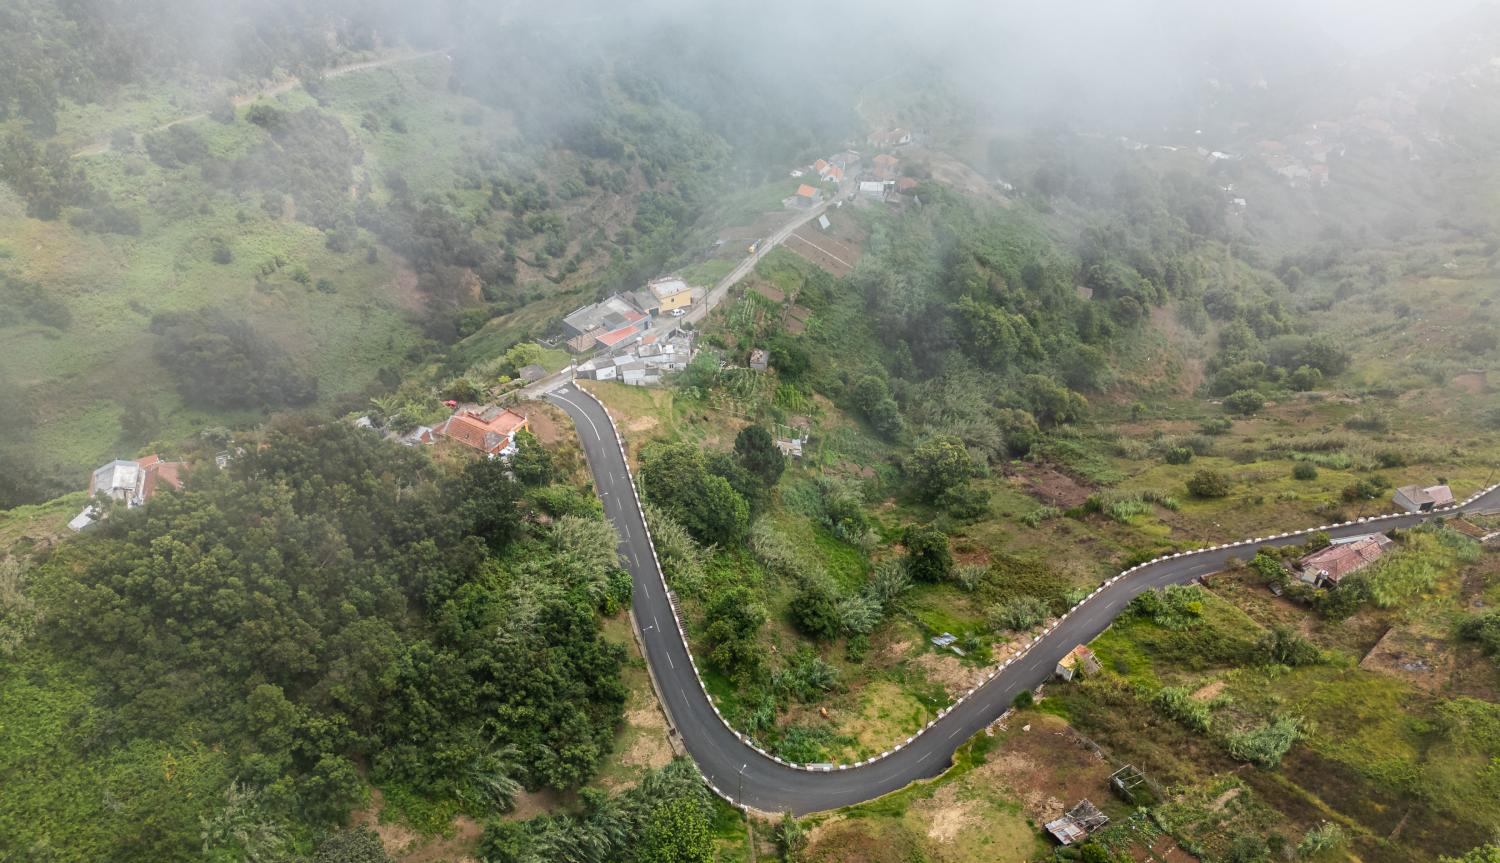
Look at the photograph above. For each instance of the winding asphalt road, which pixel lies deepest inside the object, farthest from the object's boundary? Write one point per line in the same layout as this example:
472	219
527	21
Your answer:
749	777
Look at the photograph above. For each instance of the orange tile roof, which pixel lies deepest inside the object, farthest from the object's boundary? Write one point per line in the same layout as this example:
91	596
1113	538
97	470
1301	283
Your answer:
507	422
467	430
169	472
1337	561
806	191
609	340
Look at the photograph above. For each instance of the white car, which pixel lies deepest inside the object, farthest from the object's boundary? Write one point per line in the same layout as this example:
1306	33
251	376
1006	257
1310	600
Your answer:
677	313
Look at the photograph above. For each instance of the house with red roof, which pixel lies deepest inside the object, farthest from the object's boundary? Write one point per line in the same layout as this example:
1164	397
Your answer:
127	481
491	430
806	197
1328	566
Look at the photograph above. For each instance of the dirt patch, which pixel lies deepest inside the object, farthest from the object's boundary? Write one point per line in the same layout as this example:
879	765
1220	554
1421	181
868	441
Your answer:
1048	768
530	804
641	424
402	288
1424	661
1164	849
947	671
1223	799
650	749
1210	692
865	841
823	249
1050	485
892	652
407	846
1473	383
947	816
546	423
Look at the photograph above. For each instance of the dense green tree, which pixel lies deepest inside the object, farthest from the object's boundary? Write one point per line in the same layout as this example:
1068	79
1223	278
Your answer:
1051	402
46	178
789	357
815	610
1244	402
219	361
757	451
993	337
872	398
1208	483
1285	646
490	506
327	599
732	626
676	478
937	466
746	484
355	845
1483	629
1020	430
532	462
677	831
1305	378
927	556
1482	854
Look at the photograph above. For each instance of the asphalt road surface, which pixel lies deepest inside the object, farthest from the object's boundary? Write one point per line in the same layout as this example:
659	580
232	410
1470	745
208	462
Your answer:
752	779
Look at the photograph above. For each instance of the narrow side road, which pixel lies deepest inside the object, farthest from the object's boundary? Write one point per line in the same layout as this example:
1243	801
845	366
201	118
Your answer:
748	777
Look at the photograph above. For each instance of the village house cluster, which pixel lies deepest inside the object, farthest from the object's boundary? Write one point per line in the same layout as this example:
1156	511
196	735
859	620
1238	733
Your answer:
642	362
623	318
876	179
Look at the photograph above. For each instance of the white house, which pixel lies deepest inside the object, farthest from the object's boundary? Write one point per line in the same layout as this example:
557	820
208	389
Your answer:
1415	498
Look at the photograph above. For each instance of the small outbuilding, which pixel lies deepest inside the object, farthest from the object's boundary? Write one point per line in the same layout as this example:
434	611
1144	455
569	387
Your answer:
1077	823
1415	498
1080	660
760	360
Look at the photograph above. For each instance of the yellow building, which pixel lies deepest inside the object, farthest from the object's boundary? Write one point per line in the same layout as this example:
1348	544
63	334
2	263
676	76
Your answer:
671	293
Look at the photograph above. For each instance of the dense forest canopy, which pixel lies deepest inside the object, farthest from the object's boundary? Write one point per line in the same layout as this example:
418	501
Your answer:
327	606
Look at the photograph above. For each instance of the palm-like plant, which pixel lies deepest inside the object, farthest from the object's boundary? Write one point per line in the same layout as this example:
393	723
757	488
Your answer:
386	406
491	778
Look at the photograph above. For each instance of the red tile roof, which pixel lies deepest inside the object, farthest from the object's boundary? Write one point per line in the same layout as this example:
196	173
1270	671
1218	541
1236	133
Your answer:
609	340
806	191
1337	561
467	430
470	429
169	472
